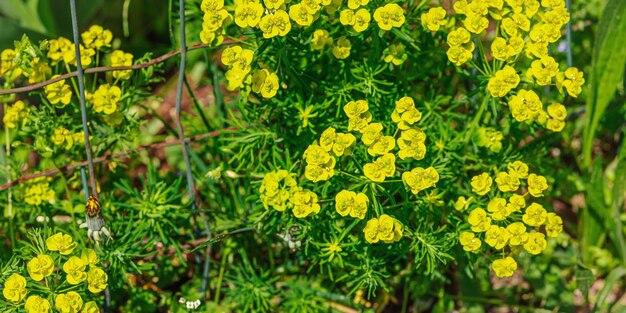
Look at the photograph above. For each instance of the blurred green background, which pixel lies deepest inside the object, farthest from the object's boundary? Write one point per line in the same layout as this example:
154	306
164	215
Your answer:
145	21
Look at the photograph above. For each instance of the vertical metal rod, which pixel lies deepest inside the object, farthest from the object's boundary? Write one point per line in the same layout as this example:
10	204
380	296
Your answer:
181	135
81	97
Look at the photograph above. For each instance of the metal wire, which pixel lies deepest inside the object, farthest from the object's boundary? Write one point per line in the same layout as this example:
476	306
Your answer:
81	97
181	135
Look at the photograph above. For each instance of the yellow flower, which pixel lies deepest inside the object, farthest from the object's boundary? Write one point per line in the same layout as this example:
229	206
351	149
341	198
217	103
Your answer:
304	203
497	236
40	266
341	48
371	133
572	79
75	270
355	109
462	204
14	288
517	233
90	307
97	37
70	302
507	182
273	4
321	38
503	81
231	54
481	184
411	144
479	221
349	202
469	241
97	279
89	257
248	14
476	23
121	58
382	145
276	189
362	20
338	143
537	184
458	37
517	202
498	209
554	225
346	17
388	16
395	54
320	164
518	169
460	55
8	68
535	215
355	4
382	167
434	19
276	24
16	112
58	92
385	228
214	15
61	242
38	191
525	106
405	113
504	267
37	304
40	70
105	99
536	243
557	111
419	178
62	135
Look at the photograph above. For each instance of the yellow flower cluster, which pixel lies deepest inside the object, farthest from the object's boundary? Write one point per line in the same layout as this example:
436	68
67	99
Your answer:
321	38
121	58
105	98
16	112
96	37
8	68
42	265
351	203
525	28
265	83
280	191
341	48
62	49
388	16
504	223
359	20
58	92
434	19
61	135
504	80
320	164
215	17
239	62
38	191
385	228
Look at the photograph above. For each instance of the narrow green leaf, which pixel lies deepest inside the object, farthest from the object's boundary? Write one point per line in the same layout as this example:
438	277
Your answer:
614	277
609	59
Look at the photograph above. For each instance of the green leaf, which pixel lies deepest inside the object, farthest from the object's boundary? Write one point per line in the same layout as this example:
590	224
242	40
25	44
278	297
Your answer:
609	59
24	12
595	213
614	277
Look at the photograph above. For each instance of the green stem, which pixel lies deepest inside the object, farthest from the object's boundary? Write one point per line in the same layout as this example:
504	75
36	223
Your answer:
476	119
220	277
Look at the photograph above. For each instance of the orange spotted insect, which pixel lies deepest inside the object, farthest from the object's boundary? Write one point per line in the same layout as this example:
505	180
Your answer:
92	208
